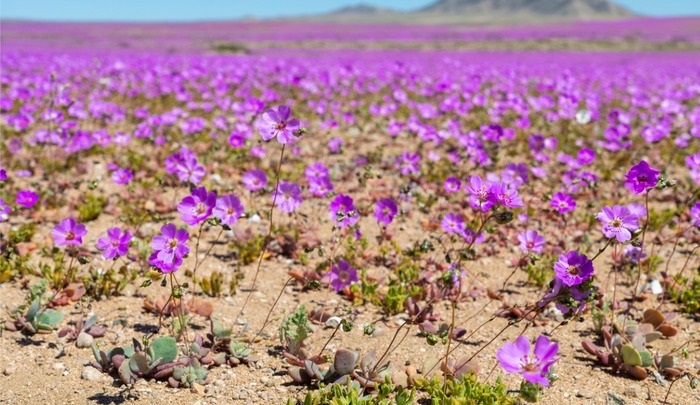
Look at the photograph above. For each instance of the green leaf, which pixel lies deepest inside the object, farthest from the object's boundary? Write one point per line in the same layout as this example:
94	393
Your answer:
50	318
647	358
219	330
164	348
33	309
630	355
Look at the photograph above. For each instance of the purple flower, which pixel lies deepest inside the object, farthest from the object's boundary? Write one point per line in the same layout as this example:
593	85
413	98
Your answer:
618	222
531	241
68	232
480	192
585	156
258	151
228	209
634	253
335	145
573	268
122	176
408	163
320	186
453	223
563	203
641	177
343	211
3	174
4	211
197	207
255	180
185	165
637	210
170	248
27	198
342	275
515	358
385	211
694	214
316	171
452	184
115	244
287	197
278	124
505	195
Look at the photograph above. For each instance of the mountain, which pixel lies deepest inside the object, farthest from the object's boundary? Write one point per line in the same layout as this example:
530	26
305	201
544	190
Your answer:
487	12
568	9
362	9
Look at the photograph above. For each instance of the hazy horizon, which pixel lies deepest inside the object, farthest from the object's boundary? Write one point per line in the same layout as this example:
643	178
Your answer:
160	11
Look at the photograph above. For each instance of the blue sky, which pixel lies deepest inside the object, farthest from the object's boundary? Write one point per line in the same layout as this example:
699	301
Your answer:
198	10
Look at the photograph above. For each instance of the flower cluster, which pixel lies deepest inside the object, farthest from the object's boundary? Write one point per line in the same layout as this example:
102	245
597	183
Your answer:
185	166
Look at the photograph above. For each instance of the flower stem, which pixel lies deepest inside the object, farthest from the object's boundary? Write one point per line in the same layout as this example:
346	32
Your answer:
267	238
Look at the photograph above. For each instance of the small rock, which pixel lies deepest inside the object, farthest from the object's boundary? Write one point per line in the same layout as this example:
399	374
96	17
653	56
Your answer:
632	391
242	394
9	370
333	322
585	394
219	383
91	374
59	366
197	389
84	340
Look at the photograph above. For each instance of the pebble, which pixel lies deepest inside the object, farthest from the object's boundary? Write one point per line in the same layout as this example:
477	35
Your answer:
242	394
91	374
197	389
59	366
84	340
333	322
9	370
584	394
632	391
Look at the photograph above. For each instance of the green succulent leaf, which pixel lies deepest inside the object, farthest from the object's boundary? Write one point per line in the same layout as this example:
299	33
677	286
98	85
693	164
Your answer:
647	358
630	355
164	348
49	319
219	330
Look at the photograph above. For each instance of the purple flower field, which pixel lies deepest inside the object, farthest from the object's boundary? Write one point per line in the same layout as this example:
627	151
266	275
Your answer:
295	223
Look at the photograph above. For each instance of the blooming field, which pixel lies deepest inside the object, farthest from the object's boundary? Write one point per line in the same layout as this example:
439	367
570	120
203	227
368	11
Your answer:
392	225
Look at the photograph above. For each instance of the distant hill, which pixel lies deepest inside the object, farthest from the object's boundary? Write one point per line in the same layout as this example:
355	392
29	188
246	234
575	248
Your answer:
489	12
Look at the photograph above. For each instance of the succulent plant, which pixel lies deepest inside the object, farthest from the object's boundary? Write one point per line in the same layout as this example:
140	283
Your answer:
32	319
88	326
626	349
157	360
188	375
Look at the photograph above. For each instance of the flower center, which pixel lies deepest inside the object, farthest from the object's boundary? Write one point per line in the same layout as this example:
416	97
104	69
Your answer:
200	209
279	126
172	243
344	276
573	270
529	366
615	223
70	235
